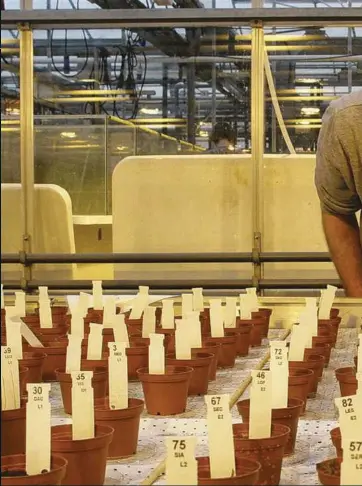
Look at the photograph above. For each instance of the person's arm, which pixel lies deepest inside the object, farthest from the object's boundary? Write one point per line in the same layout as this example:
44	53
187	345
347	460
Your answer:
339	200
343	238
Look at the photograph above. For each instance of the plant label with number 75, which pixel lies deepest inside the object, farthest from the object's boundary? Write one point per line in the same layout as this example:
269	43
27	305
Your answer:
181	465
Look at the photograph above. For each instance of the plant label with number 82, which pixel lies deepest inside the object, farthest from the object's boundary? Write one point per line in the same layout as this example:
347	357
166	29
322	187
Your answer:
350	416
219	424
38	420
351	467
260	404
181	465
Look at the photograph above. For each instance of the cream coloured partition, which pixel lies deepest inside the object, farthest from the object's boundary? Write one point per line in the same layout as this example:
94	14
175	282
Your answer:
182	204
292	216
53	232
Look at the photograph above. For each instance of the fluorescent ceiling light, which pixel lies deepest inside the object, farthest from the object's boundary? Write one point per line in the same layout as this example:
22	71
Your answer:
310	110
68	134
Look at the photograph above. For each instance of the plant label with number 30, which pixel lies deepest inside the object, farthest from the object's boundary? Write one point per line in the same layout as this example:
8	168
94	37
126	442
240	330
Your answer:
181	465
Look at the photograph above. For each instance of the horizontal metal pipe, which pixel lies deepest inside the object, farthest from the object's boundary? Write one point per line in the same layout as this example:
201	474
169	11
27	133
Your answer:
172	286
63	258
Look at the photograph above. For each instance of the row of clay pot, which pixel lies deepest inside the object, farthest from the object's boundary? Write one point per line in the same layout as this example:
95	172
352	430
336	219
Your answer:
347	379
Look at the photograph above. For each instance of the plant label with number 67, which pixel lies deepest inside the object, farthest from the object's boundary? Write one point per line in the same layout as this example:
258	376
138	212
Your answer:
181	465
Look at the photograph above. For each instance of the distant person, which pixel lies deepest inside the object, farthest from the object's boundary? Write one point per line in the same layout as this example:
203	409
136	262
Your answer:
339	184
222	139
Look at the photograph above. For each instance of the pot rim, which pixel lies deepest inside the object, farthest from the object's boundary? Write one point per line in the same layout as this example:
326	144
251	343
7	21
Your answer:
59	460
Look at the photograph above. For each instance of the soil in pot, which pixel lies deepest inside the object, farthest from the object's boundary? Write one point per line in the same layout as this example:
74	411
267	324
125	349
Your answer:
86	458
329	472
13	428
268	452
314	363
227	353
34	362
99	383
288	416
55	357
243	339
200	362
322	349
247	473
125	424
214	349
13	472
137	357
337	441
166	394
347	381
299	383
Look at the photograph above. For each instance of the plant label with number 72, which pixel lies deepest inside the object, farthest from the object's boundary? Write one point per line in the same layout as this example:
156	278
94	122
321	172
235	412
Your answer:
351	467
219	424
181	465
280	372
38	425
260	404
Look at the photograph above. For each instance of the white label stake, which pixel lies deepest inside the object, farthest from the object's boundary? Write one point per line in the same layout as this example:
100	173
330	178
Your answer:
351	467
187	304
97	295
10	383
182	342
82	405
109	311
83	303
230	312
74	353
181	465
77	322
95	341
45	313
156	355
219	425
13	337
260	405
350	415
138	305
38	426
2	297
20	303
149	321
280	373
43	292
118	376
253	298
326	302
297	343
198	300
168	314
216	318
30	337
192	322
245	306
120	331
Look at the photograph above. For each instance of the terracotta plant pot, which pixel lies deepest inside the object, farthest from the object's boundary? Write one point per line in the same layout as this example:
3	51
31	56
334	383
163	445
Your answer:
200	362
355	359
334	313
141	341
99	383
34	363
170	340
166	394
299	384
325	328
337	441
266	314
347	380
23	373
137	357
86	458
227	353
329	472
13	472
247	473
268	452
55	357
125	424
317	340
214	349
13	427
322	349
258	329
314	363
288	416
243	340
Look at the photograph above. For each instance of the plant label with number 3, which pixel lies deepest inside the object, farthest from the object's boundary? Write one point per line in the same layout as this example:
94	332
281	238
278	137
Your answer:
10	383
82	405
118	376
351	467
280	373
219	425
38	435
350	414
181	465
260	404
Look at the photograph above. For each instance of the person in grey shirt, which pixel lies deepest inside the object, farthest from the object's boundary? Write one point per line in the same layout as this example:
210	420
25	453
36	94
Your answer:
222	139
338	179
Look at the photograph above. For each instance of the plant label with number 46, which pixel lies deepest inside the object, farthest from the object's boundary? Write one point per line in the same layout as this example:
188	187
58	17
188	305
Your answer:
260	404
181	465
351	467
